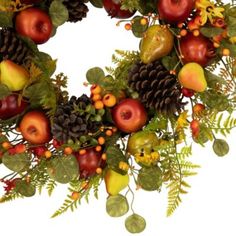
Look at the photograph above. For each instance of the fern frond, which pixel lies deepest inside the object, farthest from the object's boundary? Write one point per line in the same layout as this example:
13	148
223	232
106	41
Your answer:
10	197
51	185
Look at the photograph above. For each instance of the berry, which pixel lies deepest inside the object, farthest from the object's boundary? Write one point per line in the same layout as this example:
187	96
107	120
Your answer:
99	170
187	92
96	97
226	52
198	108
104	156
109	100
95	89
99	105
48	154
98	148
101	140
82	151
109	133
68	150
6	145
75	196
128	26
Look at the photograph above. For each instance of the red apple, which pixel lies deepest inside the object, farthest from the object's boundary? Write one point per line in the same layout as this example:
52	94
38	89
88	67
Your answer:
88	162
197	49
174	11
187	92
113	8
10	107
35	24
35	127
129	115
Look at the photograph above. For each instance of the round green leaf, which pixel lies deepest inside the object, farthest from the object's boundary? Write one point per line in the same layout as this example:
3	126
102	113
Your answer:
150	178
97	3
25	189
94	75
58	12
135	224
63	169
117	206
17	162
137	28
220	147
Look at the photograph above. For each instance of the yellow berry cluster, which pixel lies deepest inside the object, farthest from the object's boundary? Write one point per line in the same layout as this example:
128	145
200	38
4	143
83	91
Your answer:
147	159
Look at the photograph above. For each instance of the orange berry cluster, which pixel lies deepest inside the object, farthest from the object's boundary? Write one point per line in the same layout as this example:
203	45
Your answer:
143	21
194	26
100	100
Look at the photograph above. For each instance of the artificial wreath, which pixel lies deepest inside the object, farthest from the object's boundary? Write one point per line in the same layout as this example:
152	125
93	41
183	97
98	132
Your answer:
142	115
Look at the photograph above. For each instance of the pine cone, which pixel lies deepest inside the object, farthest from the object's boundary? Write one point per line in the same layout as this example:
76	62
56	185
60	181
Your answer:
71	123
13	48
77	10
157	88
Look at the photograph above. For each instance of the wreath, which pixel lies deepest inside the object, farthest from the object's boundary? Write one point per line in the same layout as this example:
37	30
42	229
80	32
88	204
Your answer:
142	115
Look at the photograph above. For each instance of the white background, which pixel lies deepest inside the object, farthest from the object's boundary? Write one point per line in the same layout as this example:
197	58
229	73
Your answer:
208	209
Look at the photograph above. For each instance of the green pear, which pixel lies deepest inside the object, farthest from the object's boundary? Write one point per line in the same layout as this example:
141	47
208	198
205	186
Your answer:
13	76
157	42
192	76
115	182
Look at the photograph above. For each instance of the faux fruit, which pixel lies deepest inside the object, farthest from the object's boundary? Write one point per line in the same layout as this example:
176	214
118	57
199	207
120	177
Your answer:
129	115
35	24
35	127
142	142
174	11
192	76
11	106
13	76
157	43
113	8
197	49
195	128
88	161
115	182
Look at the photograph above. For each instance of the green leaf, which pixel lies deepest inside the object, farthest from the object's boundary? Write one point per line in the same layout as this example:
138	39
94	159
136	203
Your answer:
114	157
231	30
213	80
95	75
117	206
170	62
4	91
17	162
63	169
137	28
150	178
210	32
30	44
135	224
220	147
24	188
232	12
97	3
6	19
58	12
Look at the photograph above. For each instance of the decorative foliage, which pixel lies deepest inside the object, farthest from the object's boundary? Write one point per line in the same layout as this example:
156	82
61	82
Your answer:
85	141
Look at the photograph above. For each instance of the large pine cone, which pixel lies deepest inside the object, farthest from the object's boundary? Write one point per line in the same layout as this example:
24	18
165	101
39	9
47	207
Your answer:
70	122
13	48
77	9
157	88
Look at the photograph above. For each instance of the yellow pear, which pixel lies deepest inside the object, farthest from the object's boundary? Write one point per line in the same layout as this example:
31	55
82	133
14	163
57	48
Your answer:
13	76
157	42
115	182
191	76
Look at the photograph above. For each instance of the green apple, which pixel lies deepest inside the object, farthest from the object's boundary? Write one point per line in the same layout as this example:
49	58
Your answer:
13	76
115	182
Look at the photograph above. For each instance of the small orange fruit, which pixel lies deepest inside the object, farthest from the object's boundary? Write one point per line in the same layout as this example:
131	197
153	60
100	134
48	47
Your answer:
109	133
109	100
95	89
96	97
99	105
75	196
47	154
68	150
101	140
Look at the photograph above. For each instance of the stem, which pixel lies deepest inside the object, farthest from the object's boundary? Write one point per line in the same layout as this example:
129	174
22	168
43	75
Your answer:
132	201
230	74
